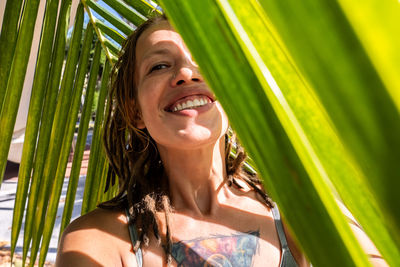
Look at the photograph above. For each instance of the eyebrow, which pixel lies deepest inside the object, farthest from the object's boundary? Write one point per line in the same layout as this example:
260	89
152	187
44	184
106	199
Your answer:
161	51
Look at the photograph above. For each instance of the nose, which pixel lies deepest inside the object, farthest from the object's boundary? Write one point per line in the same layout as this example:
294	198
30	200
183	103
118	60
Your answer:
186	74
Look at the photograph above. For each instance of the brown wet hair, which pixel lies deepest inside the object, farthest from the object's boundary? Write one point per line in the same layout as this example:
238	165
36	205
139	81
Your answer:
134	158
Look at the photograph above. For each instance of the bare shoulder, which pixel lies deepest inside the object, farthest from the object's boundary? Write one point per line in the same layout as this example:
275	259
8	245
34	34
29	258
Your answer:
99	238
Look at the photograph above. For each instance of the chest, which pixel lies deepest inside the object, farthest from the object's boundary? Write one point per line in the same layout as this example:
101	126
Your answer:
239	241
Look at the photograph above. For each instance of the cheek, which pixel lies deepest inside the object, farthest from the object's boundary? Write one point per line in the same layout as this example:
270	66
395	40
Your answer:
148	106
150	91
147	97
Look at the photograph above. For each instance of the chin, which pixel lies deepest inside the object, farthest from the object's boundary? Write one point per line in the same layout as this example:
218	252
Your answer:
191	139
198	139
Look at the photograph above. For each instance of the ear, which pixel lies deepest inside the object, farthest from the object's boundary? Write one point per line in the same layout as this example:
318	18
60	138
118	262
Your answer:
139	123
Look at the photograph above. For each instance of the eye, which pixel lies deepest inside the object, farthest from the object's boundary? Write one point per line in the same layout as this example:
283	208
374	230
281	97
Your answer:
158	66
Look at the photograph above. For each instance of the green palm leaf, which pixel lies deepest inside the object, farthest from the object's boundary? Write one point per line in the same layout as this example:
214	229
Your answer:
95	180
342	170
292	105
66	147
363	125
288	172
15	80
46	126
32	125
120	24
57	134
8	39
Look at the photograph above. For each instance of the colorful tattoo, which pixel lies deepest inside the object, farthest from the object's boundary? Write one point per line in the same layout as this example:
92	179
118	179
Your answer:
219	250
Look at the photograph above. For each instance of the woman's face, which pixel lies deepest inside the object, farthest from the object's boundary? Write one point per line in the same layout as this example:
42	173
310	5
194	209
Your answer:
177	107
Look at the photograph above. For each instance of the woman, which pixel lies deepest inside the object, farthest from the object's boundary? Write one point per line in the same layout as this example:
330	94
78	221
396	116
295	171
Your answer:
183	200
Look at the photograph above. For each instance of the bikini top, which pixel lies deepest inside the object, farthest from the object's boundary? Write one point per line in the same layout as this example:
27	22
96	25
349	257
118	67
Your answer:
287	259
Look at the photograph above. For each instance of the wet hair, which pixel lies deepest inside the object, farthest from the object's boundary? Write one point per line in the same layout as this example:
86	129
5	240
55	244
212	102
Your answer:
134	158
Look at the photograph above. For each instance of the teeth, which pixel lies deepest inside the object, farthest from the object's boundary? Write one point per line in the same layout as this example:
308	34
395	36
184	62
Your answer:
198	102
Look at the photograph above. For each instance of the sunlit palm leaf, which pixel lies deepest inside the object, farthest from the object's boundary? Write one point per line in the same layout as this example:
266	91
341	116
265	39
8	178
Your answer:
120	24
57	133
289	122
79	149
143	7
69	135
112	47
115	35
124	10
86	115
15	79
75	170
8	39
253	101
342	74
97	154
46	124
376	24
34	114
338	164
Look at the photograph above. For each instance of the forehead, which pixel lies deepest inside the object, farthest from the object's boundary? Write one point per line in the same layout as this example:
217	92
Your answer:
156	37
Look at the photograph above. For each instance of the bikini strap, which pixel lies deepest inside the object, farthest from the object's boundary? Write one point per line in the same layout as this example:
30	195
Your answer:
134	237
279	226
287	259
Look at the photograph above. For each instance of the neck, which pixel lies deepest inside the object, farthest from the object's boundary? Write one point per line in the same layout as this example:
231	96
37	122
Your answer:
196	177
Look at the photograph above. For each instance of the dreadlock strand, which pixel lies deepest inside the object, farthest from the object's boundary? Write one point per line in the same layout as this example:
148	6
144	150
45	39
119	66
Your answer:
168	246
263	195
236	183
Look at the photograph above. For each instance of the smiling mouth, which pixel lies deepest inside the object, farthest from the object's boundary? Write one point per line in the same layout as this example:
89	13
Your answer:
190	102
